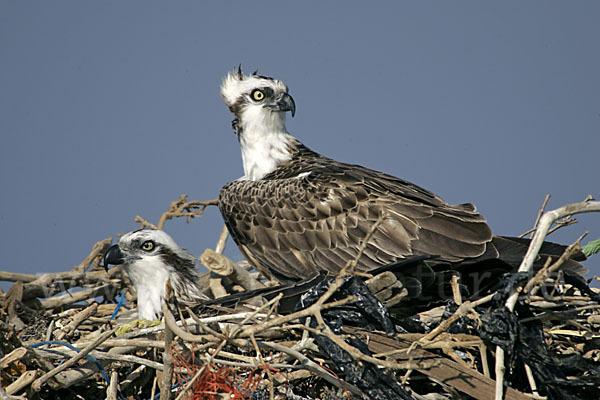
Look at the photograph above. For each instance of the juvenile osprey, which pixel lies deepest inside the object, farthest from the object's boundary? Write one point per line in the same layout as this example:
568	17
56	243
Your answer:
151	257
296	212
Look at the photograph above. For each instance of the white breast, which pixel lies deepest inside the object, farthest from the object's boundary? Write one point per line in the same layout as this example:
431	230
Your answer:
149	279
261	154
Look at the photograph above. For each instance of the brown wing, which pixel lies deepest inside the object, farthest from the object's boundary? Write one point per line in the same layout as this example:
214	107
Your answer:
297	226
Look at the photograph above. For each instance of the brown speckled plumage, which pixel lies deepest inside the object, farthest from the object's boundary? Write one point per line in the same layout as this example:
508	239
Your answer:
295	226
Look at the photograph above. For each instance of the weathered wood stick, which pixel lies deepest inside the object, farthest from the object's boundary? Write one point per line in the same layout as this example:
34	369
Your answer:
112	389
37	384
69	298
15	277
78	319
22	382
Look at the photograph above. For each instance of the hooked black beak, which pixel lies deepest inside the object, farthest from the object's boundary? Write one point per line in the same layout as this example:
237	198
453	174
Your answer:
285	103
113	256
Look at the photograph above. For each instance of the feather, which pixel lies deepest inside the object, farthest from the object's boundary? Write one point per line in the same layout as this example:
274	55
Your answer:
298	212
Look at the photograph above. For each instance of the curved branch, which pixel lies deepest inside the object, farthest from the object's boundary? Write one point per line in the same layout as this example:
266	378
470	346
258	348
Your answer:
527	265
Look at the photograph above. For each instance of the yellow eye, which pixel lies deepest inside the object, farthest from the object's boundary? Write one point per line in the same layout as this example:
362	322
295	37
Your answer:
258	95
148	245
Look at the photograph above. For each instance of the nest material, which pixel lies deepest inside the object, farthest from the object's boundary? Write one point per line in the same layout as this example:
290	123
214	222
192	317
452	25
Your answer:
58	340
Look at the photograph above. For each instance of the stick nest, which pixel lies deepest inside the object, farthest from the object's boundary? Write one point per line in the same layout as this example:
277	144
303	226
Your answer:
62	336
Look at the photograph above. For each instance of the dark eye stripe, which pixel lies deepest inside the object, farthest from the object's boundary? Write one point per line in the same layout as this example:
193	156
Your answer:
236	108
267	91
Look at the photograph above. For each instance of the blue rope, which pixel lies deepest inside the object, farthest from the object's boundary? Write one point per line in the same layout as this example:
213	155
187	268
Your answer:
157	396
119	304
90	358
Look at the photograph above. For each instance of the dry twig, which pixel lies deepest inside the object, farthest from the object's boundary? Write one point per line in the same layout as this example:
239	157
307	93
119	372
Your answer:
527	264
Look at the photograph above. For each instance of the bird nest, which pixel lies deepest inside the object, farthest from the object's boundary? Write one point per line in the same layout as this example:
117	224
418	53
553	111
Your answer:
61	336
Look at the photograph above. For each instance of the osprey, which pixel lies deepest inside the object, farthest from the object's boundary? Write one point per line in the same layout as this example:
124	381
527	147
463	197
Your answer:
151	258
295	212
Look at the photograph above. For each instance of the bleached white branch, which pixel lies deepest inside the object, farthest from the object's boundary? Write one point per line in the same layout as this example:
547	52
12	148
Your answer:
527	265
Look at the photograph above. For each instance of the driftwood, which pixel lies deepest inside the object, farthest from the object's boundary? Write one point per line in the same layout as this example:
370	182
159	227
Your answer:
57	337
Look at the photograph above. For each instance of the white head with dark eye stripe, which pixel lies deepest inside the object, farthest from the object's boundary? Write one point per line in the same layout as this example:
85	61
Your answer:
151	257
242	93
260	104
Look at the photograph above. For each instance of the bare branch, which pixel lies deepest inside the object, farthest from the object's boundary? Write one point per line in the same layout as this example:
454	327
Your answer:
527	264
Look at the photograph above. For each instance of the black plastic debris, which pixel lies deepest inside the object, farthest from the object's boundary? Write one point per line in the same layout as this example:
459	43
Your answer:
366	376
550	369
500	327
462	325
505	285
367	311
524	343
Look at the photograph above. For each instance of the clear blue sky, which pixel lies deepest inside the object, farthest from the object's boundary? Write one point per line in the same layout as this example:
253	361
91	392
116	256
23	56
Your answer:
111	109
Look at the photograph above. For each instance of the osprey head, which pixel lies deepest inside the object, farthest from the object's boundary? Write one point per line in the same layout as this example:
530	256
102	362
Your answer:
151	257
259	104
145	246
251	96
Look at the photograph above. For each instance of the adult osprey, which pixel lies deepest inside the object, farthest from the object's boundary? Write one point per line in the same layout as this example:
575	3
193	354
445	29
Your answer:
151	257
295	212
